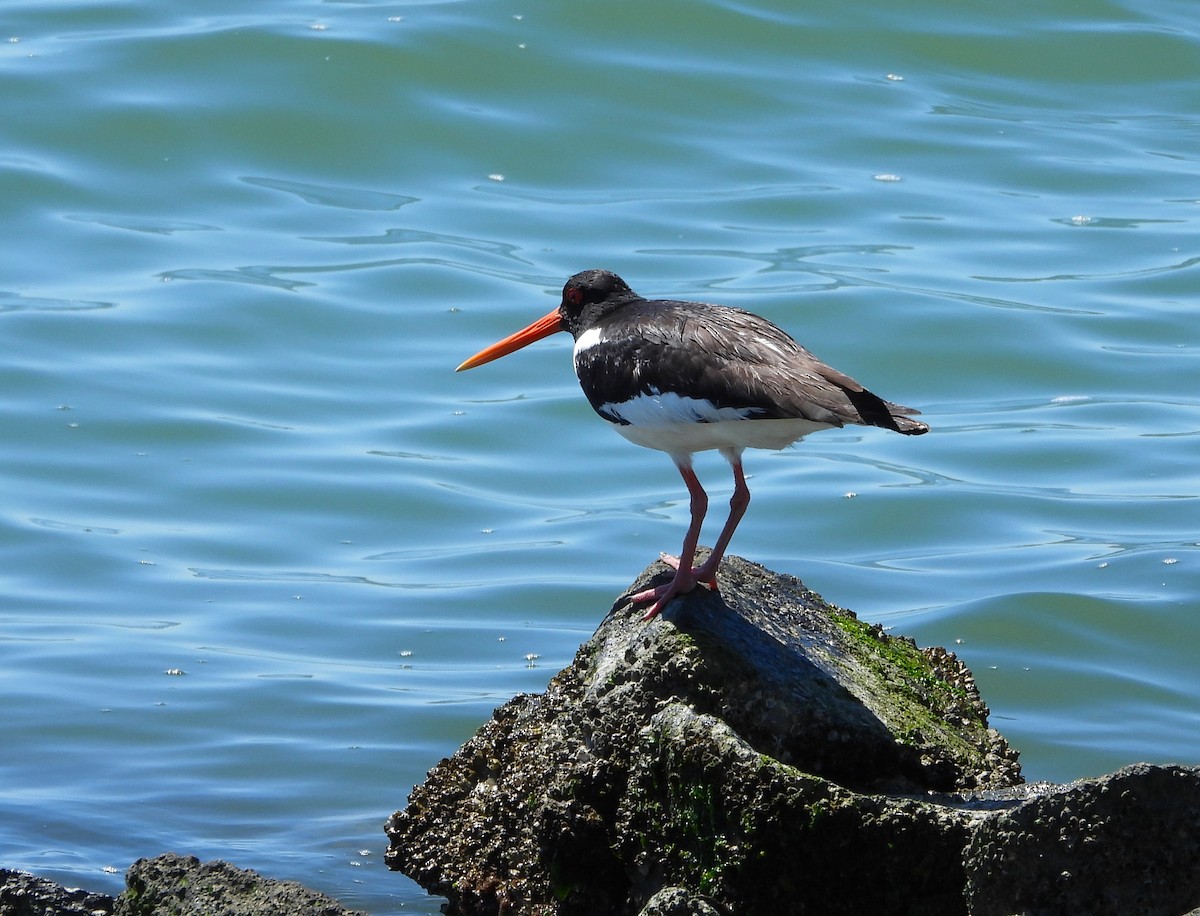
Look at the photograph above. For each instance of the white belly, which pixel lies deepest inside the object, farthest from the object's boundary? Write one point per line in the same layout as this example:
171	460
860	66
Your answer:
679	439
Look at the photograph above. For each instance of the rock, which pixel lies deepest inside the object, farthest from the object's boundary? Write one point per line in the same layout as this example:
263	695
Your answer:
23	894
765	752
175	885
1125	843
754	751
675	901
170	885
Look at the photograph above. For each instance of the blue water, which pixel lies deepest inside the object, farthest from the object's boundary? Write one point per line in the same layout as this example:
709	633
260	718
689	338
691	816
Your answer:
265	559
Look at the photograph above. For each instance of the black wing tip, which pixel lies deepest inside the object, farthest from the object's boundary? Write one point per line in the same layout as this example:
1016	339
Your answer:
902	420
909	427
875	411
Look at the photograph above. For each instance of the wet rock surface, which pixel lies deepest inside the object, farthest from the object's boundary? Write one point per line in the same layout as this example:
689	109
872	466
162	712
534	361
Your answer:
757	751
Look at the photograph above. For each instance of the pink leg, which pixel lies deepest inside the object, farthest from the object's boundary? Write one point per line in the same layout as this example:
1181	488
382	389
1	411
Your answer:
685	579
737	508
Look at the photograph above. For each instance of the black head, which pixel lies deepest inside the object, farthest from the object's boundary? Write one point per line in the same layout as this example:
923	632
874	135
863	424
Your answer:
591	294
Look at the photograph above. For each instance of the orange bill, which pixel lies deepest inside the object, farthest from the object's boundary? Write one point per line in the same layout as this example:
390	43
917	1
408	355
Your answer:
543	327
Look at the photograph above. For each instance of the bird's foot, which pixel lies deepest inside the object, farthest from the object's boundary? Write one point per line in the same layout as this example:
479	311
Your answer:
662	595
705	573
681	583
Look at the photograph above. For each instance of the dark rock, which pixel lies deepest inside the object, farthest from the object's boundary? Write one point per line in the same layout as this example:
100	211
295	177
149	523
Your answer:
22	894
720	756
175	885
1121	844
764	752
170	885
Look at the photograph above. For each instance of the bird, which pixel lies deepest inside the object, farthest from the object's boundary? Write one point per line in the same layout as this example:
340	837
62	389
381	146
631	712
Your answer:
684	377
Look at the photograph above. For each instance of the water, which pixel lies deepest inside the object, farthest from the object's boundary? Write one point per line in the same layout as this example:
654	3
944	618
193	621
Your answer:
266	559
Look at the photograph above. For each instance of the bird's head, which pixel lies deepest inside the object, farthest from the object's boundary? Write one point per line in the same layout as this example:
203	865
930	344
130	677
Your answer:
585	297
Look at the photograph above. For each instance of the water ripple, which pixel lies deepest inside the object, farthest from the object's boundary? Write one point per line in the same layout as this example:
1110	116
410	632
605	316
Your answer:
18	302
328	196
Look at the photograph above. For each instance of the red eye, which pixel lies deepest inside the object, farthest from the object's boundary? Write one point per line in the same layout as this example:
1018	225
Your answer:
574	295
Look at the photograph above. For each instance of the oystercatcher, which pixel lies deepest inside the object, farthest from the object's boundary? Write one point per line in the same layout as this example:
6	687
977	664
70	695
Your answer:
685	377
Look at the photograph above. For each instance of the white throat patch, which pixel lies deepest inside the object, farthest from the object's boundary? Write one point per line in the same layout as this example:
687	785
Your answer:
589	338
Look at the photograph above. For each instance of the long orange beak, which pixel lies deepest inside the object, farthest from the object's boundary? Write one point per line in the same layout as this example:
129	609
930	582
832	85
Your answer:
543	327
